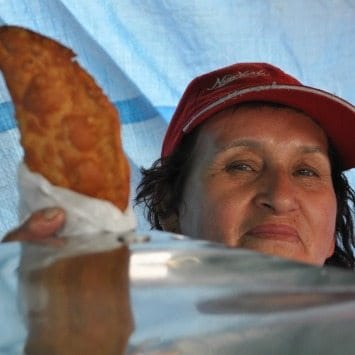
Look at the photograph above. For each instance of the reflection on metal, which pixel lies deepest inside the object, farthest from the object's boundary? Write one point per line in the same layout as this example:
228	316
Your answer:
179	296
149	266
78	304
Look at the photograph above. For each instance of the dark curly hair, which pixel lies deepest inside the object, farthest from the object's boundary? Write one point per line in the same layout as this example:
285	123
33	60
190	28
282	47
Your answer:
161	190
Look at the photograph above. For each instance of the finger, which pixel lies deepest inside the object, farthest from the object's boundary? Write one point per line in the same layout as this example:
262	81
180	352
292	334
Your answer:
41	225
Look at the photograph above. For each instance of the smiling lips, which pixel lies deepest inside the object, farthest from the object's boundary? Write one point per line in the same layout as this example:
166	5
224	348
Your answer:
279	232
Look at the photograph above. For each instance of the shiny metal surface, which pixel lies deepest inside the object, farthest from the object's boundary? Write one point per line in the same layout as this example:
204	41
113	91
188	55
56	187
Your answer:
75	303
172	295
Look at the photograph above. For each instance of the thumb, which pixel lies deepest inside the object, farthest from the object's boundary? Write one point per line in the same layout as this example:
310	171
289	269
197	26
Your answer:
41	225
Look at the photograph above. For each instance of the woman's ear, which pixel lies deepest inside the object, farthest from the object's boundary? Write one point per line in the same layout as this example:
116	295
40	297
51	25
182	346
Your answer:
170	223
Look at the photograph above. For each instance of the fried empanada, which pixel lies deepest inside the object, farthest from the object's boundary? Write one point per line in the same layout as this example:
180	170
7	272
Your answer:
70	131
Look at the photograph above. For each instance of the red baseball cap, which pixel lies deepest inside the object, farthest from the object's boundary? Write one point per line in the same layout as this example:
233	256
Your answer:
245	82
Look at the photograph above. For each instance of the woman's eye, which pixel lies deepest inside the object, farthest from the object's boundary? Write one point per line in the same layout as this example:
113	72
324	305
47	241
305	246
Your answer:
238	166
307	172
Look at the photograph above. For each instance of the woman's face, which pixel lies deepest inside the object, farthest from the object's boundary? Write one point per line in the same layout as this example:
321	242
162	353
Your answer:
261	180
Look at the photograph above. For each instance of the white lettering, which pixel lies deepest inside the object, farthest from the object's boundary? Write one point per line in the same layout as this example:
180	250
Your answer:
228	78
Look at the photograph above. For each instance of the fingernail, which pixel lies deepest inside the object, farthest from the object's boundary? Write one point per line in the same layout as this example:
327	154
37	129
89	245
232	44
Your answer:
51	213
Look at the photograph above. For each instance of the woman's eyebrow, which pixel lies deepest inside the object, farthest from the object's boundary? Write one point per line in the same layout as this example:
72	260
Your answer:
317	150
312	149
240	143
251	143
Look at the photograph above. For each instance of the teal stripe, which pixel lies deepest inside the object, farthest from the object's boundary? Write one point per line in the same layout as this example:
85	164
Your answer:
135	110
131	111
7	120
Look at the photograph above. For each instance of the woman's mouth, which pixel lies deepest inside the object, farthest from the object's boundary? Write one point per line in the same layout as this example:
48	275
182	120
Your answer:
280	232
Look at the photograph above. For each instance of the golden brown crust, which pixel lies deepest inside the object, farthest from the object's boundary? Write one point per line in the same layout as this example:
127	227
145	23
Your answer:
70	131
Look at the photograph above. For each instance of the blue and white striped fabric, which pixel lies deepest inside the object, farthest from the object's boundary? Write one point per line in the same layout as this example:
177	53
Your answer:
143	54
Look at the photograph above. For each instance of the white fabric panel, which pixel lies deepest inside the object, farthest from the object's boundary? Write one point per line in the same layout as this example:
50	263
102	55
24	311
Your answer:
10	156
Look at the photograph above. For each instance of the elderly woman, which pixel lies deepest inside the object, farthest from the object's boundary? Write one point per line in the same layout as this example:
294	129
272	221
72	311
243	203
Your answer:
252	159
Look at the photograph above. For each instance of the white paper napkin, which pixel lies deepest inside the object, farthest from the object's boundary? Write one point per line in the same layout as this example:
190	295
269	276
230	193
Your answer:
85	216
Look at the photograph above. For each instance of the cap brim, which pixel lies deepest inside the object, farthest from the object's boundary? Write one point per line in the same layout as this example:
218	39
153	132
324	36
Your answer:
335	115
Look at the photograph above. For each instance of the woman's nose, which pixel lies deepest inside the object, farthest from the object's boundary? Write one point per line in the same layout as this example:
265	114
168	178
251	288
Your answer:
276	191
